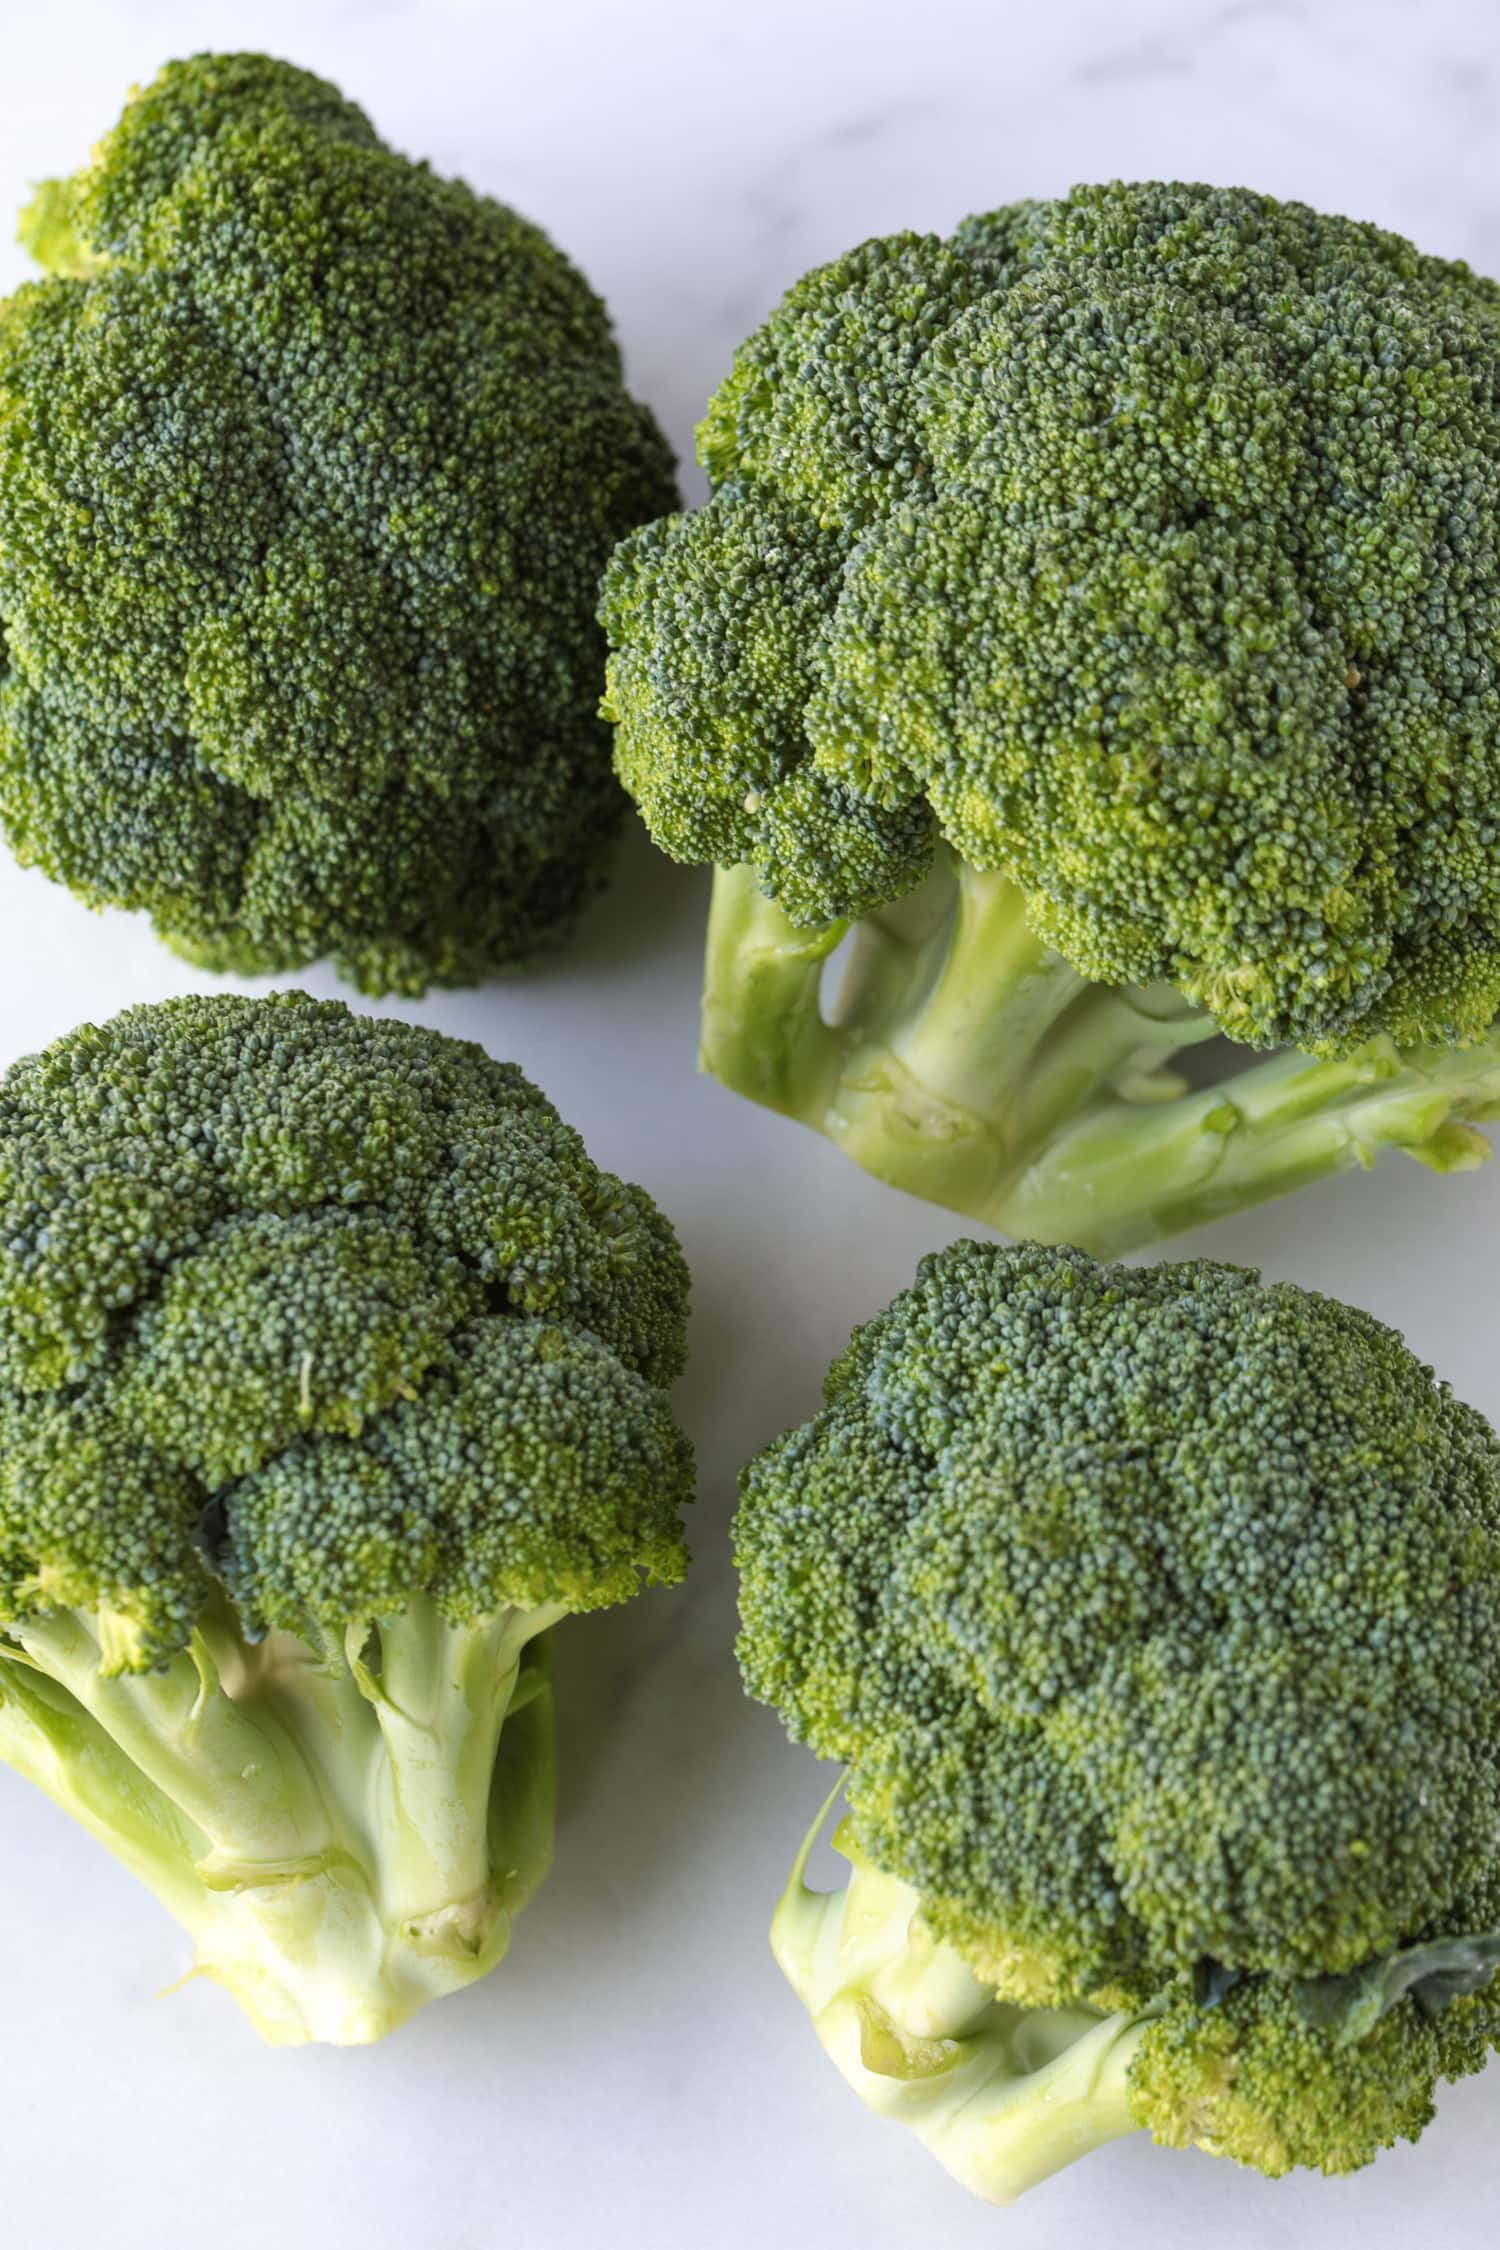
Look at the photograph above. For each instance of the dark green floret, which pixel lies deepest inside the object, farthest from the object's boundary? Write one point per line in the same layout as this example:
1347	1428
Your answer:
309	464
1156	1618
332	1375
1097	613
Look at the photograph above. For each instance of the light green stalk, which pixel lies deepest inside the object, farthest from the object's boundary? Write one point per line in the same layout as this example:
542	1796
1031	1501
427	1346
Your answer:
964	1061
1002	2095
342	1839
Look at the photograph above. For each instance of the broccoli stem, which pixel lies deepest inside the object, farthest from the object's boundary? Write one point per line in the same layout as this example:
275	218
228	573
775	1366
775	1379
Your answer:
966	1062
343	1838
440	1702
763	1031
1002	2095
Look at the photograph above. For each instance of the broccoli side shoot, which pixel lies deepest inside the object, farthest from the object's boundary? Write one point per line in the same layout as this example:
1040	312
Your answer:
332	1375
309	464
1094	614
1155	1617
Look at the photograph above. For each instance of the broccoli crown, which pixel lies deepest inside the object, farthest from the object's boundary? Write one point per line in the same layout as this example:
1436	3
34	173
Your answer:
333	1309
309	464
1157	1615
1143	544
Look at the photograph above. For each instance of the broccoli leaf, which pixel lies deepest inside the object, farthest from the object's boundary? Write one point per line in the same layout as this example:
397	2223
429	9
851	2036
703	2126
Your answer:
1445	1969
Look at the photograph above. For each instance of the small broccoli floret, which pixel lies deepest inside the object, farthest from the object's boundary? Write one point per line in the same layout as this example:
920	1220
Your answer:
1154	1615
332	1375
1253	2080
1095	612
309	464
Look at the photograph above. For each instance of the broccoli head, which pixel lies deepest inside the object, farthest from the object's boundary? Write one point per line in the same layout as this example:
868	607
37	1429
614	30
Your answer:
332	1375
1095	611
1156	1618
309	464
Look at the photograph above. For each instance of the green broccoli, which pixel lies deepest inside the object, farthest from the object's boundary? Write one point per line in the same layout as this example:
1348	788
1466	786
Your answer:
332	1375
1095	613
1156	1617
309	464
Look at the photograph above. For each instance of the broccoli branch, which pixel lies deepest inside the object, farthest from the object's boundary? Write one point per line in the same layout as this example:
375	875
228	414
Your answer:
968	1063
1002	2095
344	1835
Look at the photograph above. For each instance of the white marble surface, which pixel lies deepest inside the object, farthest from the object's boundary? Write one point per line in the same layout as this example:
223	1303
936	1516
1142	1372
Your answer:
636	2074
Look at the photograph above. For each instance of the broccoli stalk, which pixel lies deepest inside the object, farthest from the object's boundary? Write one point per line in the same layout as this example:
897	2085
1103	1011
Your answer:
1085	612
1152	1615
1002	2095
344	1836
969	1063
309	463
1272	2072
332	1375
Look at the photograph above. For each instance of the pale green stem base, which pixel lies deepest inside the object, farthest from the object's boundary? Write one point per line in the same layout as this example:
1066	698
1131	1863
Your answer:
1003	2096
969	1064
342	1842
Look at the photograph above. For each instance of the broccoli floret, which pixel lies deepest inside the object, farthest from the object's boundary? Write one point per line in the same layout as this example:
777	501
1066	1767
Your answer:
309	464
332	1375
1156	1617
1094	613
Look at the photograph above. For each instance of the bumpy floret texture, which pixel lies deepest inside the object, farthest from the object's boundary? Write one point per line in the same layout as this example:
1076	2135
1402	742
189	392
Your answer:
1252	2079
1155	1614
309	463
1143	545
333	1309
